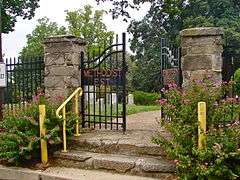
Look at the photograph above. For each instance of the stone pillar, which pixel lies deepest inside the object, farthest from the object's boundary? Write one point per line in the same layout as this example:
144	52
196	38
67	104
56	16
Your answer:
62	60
201	54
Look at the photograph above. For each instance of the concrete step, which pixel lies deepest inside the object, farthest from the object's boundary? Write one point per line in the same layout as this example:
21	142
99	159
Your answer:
117	147
135	165
131	143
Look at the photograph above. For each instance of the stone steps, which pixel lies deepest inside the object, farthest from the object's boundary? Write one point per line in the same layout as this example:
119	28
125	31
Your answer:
123	147
135	165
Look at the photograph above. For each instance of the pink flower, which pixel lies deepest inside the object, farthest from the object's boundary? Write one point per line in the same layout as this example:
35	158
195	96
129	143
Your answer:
215	104
210	76
163	101
176	161
186	101
231	100
36	98
163	90
172	85
60	98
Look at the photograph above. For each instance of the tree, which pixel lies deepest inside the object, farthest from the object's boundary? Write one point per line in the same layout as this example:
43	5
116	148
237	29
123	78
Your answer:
83	23
120	7
146	44
168	17
15	8
44	29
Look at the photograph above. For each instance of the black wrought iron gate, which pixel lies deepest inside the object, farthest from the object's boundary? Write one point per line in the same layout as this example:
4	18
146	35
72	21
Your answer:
170	63
103	104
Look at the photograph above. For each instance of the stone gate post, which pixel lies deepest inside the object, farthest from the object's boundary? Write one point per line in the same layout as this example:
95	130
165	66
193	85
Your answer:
201	54
62	60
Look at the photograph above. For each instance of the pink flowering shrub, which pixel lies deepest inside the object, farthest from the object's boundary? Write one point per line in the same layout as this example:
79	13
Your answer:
221	158
19	135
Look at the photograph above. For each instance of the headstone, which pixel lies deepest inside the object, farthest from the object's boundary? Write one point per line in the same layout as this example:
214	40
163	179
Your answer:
89	97
114	101
130	99
102	105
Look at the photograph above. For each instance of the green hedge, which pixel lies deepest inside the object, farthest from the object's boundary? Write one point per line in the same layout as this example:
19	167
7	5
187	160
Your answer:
145	98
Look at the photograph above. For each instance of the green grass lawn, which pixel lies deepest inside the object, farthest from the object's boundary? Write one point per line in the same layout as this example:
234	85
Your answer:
131	109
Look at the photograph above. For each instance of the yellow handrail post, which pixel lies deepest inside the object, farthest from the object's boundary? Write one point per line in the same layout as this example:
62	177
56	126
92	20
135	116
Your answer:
62	108
64	130
42	116
202	125
77	113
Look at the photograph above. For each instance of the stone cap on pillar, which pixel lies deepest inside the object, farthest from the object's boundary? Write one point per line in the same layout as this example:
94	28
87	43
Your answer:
202	31
64	38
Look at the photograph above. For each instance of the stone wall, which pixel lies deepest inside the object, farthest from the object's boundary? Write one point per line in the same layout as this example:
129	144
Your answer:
201	54
62	60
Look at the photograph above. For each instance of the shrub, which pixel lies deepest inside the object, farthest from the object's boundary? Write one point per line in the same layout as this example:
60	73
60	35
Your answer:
145	98
19	135
221	158
237	80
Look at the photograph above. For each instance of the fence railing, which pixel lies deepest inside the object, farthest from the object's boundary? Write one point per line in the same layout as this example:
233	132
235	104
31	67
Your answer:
25	77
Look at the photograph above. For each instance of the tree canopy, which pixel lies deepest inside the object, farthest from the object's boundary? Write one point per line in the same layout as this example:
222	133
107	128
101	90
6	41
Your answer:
16	8
166	18
44	28
82	23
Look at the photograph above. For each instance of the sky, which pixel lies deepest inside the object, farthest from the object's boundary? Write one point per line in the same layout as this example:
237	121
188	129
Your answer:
54	10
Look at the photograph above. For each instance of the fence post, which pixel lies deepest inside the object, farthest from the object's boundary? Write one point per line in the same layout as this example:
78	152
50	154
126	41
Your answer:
201	125
44	152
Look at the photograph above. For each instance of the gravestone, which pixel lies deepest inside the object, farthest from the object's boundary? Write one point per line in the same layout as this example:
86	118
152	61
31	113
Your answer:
101	104
114	102
130	99
89	97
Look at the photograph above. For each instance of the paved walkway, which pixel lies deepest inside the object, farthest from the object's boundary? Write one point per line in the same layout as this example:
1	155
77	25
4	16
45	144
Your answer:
61	173
141	128
81	174
147	121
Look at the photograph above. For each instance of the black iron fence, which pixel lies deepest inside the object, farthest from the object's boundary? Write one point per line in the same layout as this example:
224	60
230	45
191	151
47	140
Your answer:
170	63
25	78
230	65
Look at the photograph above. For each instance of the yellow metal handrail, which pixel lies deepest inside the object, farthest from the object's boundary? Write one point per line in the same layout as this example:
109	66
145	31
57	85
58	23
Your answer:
77	93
